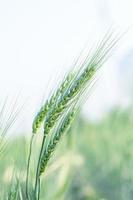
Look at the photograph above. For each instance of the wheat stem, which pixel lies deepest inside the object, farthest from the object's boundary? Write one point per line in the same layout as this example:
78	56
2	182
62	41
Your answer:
28	167
38	166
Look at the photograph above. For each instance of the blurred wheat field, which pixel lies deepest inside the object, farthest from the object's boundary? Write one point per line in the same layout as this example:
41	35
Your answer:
94	161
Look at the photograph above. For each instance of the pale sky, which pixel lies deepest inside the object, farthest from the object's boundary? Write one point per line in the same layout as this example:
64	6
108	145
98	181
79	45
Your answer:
40	38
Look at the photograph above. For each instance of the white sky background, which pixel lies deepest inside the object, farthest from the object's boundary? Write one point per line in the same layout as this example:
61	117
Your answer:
40	38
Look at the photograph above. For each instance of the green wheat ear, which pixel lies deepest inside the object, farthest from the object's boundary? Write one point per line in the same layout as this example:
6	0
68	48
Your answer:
84	76
50	103
63	127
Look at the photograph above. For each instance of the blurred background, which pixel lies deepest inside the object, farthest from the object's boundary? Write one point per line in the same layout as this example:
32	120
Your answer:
39	41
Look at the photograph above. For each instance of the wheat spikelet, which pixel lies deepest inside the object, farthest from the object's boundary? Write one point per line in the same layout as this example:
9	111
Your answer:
64	126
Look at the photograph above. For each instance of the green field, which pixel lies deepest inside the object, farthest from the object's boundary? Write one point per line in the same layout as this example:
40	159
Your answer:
93	161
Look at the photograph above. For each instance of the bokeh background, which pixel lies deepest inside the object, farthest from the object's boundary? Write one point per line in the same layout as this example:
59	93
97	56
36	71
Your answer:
39	41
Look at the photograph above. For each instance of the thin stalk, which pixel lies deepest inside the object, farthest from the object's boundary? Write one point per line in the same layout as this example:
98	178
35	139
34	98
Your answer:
28	167
37	181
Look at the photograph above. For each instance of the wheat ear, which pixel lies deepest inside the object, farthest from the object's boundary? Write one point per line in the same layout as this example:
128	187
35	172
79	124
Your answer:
49	103
64	126
84	75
